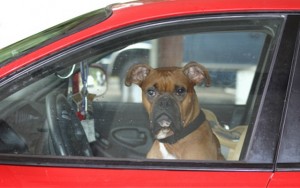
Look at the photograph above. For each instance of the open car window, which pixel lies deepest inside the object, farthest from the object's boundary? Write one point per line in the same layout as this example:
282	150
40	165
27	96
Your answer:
79	105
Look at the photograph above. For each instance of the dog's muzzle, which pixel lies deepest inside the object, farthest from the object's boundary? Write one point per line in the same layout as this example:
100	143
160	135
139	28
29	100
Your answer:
165	119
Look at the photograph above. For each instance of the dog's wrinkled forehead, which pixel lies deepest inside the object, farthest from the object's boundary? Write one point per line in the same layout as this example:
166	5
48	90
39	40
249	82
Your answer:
166	79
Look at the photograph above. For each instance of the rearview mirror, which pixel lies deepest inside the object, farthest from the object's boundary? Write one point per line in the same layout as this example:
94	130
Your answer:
96	81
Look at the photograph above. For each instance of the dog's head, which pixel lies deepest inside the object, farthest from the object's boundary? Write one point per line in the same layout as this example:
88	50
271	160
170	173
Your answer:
168	94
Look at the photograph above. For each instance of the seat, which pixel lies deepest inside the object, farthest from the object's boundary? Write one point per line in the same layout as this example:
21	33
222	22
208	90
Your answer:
231	140
11	141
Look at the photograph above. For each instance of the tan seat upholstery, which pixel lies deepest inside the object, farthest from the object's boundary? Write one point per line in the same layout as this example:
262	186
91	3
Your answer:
232	140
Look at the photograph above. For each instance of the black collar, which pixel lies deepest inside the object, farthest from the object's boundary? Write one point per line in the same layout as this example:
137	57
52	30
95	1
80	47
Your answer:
195	124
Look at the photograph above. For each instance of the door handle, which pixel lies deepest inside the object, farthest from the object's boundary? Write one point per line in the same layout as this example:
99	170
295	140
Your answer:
130	136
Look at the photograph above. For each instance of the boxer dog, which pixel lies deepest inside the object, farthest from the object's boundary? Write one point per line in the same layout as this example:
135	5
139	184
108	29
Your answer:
178	124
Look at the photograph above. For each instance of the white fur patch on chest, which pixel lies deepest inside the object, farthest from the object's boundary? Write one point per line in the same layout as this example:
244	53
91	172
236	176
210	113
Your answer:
164	152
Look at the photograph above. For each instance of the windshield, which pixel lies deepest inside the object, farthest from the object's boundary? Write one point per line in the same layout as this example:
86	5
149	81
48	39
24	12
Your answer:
54	33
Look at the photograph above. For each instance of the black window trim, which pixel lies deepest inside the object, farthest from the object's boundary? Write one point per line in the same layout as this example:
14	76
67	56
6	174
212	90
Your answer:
287	141
275	94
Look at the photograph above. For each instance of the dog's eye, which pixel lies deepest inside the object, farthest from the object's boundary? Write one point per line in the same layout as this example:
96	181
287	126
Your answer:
180	91
151	92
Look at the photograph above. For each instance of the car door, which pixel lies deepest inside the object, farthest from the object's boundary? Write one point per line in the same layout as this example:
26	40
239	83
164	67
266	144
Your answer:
287	167
247	126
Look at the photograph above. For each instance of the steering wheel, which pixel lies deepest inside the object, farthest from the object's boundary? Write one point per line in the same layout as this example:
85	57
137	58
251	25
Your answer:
65	128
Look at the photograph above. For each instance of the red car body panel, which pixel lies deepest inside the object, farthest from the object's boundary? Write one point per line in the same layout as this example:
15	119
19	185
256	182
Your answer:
143	11
285	179
21	176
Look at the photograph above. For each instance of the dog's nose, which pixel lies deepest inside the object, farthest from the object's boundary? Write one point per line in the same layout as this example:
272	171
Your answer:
165	102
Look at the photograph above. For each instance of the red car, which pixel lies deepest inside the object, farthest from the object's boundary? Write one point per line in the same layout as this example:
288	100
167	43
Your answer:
67	120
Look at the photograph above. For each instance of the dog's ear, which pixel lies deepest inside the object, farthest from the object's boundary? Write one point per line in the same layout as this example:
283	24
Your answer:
197	73
137	73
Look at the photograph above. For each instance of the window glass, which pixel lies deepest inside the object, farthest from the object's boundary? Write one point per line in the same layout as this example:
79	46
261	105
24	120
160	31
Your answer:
231	57
81	106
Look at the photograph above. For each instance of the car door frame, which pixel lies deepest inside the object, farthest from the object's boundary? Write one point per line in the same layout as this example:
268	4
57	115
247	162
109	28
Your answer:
287	170
192	173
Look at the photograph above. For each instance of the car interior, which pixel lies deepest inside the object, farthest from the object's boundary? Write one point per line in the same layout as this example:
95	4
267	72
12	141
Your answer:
45	123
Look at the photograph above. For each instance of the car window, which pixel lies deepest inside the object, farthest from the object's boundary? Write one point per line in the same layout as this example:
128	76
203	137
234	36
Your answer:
231	57
90	103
